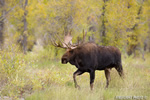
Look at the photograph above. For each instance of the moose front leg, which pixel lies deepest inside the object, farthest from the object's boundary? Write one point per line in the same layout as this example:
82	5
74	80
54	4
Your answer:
92	78
76	73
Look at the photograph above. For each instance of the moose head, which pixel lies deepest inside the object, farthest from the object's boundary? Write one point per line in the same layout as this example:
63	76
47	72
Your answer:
67	44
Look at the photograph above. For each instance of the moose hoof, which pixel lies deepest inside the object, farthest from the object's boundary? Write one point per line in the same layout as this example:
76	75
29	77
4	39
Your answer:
106	87
77	86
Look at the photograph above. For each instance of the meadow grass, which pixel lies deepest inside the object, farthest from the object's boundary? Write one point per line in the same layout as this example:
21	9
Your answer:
37	77
61	87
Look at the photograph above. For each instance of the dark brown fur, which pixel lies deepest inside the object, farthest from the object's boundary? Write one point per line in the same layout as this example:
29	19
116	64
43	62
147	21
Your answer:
89	57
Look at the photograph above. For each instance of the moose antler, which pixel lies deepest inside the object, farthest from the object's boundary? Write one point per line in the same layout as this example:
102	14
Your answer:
64	45
67	43
68	39
83	38
84	35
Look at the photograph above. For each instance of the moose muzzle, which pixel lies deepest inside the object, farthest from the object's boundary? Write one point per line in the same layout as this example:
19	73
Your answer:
64	61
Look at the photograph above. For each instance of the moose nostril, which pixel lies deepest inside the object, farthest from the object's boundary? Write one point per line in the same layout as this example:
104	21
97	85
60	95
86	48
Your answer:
64	60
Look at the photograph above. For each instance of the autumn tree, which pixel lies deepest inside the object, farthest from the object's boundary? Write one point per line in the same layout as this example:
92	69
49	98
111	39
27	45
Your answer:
121	23
22	33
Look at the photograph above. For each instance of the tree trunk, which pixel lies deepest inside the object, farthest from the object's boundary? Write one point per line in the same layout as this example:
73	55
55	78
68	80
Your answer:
148	37
103	24
2	4
24	41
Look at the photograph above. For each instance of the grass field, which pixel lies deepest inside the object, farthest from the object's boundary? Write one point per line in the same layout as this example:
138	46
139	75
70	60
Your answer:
42	79
61	87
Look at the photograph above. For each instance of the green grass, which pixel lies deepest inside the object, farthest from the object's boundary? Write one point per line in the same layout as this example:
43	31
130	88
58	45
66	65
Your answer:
36	77
61	87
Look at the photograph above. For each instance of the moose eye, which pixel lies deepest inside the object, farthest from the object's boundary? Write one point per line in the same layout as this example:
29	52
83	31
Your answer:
71	51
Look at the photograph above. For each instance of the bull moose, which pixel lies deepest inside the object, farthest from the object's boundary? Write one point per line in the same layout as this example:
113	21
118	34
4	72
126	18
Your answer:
89	57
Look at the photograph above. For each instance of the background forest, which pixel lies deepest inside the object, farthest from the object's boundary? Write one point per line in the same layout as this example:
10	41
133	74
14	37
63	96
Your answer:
30	66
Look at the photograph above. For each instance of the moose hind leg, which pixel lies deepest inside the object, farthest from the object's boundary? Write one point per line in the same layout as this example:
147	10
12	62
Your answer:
108	78
76	73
